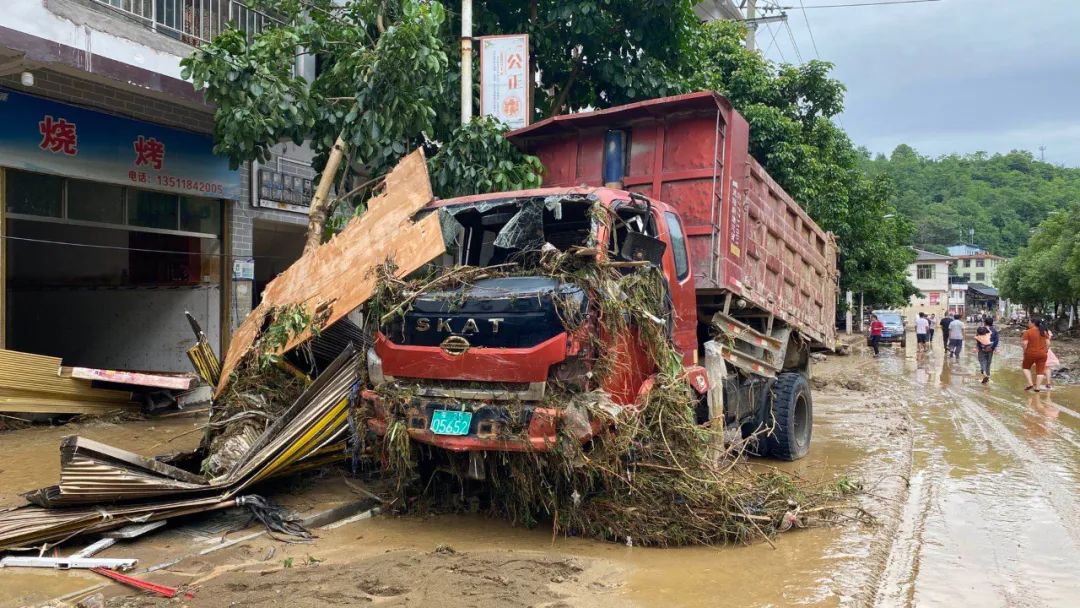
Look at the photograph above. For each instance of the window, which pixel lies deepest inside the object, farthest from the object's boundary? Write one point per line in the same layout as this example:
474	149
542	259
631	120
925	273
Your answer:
94	202
980	263
35	194
200	214
678	245
153	210
980	276
925	271
967	263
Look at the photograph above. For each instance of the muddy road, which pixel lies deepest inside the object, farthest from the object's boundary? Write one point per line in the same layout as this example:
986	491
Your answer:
975	489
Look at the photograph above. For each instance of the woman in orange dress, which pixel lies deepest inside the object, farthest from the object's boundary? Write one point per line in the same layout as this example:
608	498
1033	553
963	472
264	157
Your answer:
1036	342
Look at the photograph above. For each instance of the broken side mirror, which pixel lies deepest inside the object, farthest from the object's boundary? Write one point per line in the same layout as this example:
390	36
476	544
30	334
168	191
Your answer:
639	247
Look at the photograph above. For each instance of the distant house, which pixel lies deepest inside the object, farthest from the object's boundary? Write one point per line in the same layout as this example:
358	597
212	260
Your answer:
929	273
957	250
978	267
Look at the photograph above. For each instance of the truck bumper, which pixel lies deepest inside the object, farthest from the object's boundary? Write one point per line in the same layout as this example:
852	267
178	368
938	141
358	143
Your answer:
491	426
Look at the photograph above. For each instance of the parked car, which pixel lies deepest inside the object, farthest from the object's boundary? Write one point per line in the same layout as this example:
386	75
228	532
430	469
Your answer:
895	331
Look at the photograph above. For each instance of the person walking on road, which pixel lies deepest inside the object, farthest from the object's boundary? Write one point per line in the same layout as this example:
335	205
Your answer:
986	344
956	337
876	327
1036	343
930	332
922	327
945	321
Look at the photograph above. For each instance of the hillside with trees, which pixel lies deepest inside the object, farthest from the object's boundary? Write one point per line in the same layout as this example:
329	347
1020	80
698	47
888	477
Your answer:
1002	197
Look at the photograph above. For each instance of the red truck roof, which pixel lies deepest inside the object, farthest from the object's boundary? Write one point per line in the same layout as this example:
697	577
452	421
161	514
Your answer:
746	235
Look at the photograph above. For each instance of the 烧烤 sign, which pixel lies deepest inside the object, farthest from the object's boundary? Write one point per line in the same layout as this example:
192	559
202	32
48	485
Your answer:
46	136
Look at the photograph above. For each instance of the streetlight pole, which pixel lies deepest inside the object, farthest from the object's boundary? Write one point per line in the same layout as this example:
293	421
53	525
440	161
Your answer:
466	61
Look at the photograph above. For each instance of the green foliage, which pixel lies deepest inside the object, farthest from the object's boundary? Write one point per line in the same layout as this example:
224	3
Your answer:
1046	273
1002	197
288	322
479	159
376	89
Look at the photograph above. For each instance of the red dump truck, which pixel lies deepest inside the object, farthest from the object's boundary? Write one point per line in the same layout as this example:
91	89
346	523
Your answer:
752	283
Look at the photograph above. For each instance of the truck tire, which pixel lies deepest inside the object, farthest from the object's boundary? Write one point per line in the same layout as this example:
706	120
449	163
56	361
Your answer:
793	413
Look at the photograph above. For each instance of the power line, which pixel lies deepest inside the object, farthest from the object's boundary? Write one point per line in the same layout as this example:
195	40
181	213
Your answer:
794	44
772	32
887	2
809	29
138	249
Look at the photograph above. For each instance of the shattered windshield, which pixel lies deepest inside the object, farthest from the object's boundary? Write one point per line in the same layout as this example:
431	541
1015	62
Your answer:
497	232
489	233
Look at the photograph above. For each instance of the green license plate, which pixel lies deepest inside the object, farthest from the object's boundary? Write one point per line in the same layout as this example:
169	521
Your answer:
449	422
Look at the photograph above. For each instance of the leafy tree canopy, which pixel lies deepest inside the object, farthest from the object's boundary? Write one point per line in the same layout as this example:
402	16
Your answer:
1001	197
1045	274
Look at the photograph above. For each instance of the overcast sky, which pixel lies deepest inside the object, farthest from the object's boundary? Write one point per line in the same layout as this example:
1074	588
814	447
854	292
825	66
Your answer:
949	76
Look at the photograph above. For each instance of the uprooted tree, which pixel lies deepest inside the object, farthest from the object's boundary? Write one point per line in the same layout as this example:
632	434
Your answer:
388	82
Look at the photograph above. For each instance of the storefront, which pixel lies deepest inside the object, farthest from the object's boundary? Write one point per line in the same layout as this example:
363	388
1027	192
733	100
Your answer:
112	228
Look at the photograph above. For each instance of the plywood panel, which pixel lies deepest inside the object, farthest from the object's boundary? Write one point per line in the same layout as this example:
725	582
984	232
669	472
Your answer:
339	274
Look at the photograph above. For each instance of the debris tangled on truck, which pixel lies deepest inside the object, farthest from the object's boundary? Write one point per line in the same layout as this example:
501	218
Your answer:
650	475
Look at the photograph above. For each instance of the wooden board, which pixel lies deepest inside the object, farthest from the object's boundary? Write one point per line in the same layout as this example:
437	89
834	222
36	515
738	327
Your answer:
339	273
177	382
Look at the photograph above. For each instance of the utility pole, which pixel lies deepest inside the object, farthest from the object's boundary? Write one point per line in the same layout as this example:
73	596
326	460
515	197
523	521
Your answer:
751	26
466	61
1042	153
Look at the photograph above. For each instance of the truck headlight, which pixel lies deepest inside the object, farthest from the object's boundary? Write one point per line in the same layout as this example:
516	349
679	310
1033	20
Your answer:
374	368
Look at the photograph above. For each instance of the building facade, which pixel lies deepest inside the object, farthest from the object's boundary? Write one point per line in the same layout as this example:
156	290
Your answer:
978	267
116	216
929	273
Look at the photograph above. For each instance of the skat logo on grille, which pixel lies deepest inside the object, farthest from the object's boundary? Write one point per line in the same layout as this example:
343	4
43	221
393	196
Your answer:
446	325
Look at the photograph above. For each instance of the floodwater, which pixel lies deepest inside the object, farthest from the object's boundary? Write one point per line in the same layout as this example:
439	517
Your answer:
974	487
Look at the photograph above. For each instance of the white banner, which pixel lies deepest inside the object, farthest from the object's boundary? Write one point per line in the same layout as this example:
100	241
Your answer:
504	79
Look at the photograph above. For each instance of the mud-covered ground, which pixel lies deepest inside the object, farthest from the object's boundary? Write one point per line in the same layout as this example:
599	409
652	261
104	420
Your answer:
974	488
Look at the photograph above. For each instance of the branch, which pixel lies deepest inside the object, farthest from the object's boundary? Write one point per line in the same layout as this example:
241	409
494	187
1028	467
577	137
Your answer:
561	99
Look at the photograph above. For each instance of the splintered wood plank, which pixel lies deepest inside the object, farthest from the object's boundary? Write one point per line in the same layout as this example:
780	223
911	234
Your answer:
175	382
340	273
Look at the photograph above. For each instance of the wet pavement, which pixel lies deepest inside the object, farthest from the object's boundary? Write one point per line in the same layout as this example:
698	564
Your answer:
974	487
992	516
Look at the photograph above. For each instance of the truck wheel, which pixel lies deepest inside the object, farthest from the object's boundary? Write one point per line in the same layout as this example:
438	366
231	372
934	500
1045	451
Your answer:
793	411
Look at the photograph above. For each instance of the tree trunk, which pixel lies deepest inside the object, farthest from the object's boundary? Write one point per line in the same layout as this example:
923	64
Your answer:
321	201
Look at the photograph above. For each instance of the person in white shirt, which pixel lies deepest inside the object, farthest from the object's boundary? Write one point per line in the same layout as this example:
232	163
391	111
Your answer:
922	335
956	337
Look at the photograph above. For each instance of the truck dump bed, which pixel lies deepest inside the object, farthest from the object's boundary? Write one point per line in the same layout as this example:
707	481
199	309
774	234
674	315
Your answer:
746	236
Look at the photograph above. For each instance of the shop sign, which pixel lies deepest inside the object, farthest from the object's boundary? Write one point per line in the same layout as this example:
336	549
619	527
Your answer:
279	190
504	79
45	136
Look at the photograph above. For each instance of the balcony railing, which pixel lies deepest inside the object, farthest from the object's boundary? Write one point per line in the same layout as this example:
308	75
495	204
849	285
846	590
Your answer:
193	21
